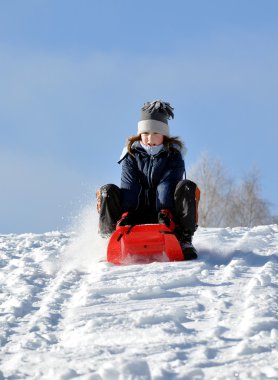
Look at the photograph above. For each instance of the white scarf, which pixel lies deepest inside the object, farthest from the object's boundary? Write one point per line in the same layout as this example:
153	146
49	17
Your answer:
152	150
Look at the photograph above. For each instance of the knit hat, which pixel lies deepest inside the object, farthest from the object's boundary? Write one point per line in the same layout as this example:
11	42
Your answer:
154	117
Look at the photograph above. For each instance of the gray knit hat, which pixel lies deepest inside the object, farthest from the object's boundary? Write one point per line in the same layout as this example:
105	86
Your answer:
154	117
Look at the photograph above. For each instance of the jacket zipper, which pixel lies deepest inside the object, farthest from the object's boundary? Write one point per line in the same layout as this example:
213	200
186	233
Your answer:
150	171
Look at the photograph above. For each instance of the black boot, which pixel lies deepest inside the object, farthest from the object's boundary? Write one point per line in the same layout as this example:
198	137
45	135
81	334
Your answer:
185	240
109	209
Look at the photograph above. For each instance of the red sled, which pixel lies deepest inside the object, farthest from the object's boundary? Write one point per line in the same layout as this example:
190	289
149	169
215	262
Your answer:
144	243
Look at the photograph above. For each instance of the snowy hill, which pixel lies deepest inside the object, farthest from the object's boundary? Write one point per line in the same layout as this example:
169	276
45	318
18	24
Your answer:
66	315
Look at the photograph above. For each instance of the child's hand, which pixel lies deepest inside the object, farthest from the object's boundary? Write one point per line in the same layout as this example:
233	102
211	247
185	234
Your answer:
127	219
165	217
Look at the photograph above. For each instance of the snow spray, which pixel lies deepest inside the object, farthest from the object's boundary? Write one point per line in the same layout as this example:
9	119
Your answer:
86	248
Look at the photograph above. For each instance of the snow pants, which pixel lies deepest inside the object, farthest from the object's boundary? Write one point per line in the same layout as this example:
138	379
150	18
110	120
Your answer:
185	214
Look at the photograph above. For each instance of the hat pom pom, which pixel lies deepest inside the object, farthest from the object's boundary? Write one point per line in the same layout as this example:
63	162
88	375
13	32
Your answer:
159	106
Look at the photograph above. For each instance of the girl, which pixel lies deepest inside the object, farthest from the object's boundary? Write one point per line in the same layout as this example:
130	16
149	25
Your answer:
152	186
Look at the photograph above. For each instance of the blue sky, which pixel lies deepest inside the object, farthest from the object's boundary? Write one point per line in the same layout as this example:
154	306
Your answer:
74	75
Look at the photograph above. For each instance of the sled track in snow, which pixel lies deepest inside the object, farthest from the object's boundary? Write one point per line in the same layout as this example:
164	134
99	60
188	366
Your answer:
213	318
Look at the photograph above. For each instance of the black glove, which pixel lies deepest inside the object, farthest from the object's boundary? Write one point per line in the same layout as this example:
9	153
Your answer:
165	217
127	219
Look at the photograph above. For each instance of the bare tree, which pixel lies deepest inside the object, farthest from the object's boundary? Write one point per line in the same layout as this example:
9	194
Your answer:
246	207
215	188
225	204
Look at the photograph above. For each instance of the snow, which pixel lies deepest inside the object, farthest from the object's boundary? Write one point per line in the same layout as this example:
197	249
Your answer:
65	313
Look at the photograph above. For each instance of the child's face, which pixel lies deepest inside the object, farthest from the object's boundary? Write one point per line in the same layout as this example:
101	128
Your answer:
151	139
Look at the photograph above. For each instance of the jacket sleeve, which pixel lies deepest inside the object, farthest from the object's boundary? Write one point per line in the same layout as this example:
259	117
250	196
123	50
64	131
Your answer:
130	183
174	173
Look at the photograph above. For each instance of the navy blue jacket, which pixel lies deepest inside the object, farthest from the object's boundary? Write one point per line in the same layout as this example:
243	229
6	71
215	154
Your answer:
148	182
